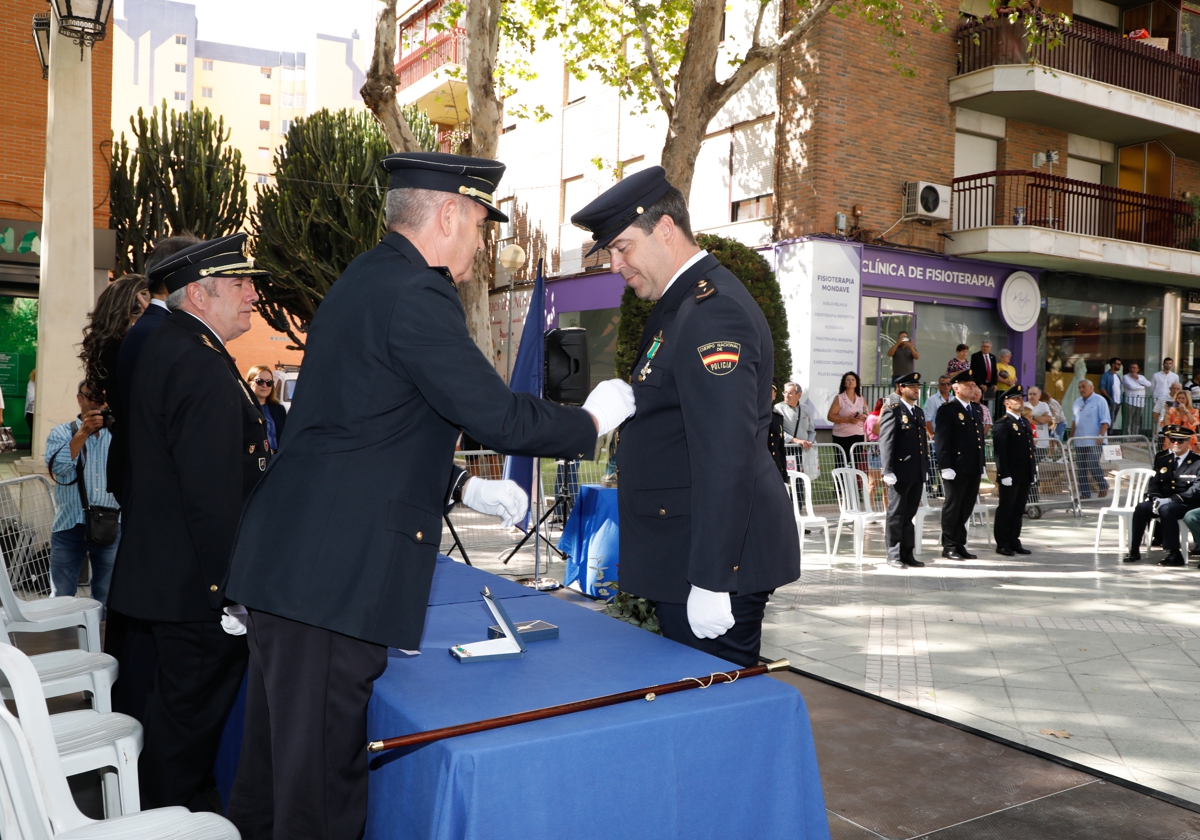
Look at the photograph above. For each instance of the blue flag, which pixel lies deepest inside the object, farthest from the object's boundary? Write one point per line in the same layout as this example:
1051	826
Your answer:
529	377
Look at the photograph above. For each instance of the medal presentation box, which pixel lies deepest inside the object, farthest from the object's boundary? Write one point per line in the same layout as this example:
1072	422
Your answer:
530	631
510	645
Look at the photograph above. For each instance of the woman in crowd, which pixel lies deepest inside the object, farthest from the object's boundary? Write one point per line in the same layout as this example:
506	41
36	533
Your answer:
848	414
117	308
262	382
30	393
874	464
1182	413
1006	374
960	362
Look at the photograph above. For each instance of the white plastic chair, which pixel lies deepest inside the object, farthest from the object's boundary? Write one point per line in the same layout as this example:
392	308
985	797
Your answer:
37	803
807	519
1129	487
47	614
83	741
854	505
925	510
72	671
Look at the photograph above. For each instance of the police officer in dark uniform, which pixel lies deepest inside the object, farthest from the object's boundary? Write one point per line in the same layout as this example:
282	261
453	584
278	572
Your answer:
391	378
904	461
1173	491
707	529
1016	470
958	430
197	448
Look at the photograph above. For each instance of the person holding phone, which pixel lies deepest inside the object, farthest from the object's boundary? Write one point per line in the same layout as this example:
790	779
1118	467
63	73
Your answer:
848	414
903	353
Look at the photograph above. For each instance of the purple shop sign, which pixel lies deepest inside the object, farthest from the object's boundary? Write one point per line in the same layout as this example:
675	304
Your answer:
934	274
577	294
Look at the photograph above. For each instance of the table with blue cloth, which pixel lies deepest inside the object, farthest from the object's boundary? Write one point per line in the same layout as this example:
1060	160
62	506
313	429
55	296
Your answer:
725	762
591	540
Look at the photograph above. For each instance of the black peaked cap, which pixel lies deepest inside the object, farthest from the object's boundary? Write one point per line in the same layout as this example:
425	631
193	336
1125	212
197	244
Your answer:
476	178
222	257
619	206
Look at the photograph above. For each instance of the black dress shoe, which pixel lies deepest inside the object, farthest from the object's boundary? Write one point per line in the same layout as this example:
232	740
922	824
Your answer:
952	554
1022	550
1007	552
966	555
912	561
897	564
1132	557
1172	559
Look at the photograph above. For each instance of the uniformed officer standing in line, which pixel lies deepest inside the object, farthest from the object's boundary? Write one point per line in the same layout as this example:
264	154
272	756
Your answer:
958	429
197	448
391	378
706	525
1016	469
904	460
1172	492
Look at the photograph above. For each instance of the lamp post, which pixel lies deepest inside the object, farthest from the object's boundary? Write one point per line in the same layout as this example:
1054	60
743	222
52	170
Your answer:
83	21
41	40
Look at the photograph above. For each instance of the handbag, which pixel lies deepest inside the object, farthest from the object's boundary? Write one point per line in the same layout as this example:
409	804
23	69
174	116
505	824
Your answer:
8	443
101	524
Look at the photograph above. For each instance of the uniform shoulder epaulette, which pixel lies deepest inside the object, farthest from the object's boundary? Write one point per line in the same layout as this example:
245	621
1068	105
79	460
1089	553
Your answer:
206	341
704	290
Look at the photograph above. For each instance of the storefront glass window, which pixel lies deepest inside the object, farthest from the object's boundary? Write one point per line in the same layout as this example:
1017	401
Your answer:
868	356
1095	332
941	328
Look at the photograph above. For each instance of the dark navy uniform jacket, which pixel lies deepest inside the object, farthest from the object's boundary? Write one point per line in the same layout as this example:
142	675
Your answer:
1169	481
699	495
903	444
1013	444
958	434
197	445
131	349
355	493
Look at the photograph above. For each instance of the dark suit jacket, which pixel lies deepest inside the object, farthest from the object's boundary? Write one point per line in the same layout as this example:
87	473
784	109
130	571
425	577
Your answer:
903	443
980	371
391	376
1012	441
700	498
197	447
131	348
958	434
279	415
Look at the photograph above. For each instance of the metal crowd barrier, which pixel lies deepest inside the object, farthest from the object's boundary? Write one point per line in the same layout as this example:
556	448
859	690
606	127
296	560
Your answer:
818	462
1056	487
26	523
1094	460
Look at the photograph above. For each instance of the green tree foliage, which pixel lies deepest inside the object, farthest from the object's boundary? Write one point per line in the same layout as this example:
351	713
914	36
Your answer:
747	265
18	325
326	208
177	173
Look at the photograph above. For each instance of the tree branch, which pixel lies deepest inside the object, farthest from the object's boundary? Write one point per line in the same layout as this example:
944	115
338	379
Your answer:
762	10
660	88
379	90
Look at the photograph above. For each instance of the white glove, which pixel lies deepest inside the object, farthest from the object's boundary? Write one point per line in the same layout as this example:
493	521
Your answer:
1007	482
889	479
610	403
234	620
709	613
498	497
949	475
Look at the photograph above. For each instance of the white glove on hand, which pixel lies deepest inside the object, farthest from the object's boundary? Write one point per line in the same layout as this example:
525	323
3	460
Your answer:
498	497
889	479
1007	482
234	620
949	475
610	403
709	613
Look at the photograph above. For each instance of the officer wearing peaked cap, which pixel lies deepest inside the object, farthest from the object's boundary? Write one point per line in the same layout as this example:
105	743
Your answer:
904	460
1172	492
363	474
197	448
958	432
1016	470
706	524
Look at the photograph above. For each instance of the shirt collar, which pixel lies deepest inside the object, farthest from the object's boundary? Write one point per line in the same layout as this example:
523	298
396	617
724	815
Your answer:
1013	415
162	303
963	402
205	323
699	255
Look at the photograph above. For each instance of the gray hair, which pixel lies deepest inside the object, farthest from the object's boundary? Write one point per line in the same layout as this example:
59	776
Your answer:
176	298
1006	352
409	209
795	385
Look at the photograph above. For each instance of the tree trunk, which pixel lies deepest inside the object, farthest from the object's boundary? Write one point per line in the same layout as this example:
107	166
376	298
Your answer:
379	90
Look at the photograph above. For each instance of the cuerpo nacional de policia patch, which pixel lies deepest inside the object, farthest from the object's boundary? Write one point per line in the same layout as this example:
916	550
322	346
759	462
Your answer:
720	357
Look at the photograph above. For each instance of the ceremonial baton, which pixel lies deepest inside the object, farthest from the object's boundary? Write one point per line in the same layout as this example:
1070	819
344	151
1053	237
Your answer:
647	694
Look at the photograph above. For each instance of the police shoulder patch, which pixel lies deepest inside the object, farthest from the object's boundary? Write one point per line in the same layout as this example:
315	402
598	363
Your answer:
720	357
704	290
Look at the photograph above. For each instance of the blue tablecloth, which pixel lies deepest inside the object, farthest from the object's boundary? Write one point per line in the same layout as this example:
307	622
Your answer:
591	540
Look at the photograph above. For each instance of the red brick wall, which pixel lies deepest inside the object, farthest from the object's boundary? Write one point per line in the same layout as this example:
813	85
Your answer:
23	129
1020	142
854	128
1187	176
258	347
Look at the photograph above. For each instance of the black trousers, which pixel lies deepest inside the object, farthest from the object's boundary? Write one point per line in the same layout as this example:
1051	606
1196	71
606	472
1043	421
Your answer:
131	641
1009	515
303	769
961	494
1169	514
200	669
903	500
739	644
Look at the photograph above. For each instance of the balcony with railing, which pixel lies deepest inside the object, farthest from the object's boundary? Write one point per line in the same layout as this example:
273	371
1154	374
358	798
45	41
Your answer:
1055	222
1092	82
448	47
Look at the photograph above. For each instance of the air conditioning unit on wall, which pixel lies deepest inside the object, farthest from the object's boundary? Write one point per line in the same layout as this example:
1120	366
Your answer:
926	201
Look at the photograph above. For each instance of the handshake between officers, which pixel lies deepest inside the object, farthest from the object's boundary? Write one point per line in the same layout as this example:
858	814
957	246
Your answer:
363	474
1172	492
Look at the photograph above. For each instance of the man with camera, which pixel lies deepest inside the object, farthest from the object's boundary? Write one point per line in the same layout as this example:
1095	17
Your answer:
77	456
903	353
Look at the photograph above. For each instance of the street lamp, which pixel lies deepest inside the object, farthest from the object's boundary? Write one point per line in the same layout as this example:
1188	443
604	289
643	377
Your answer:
83	21
41	40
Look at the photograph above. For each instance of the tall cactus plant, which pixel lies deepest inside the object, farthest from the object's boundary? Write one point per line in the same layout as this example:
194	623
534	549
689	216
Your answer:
177	173
325	208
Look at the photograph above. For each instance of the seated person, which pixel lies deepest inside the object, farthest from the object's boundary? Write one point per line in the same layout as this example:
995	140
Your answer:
1171	493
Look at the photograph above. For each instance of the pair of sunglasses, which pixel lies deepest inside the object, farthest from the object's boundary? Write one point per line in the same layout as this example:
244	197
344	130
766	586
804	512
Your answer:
270	383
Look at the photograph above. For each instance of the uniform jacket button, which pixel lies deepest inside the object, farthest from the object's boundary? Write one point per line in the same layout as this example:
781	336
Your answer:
420	536
212	588
735	568
662	511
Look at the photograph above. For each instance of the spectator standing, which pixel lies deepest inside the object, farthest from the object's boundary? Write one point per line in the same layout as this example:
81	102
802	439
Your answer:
1110	388
1134	386
1194	386
984	368
1162	382
1059	429
30	393
1006	377
932	403
262	383
1040	416
960	362
798	426
1090	425
775	439
81	445
848	414
903	353
871	433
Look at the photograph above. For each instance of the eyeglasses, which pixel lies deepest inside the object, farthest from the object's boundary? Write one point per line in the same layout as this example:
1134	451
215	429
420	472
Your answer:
266	383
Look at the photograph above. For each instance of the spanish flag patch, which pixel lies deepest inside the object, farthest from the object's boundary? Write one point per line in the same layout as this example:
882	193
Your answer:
720	357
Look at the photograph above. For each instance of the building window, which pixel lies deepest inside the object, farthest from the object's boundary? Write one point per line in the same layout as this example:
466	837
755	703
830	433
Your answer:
264	125
752	170
759	207
264	152
180	68
265	71
206	92
285	126
507	206
206	64
572	88
264	179
264	99
181	39
293	100
576	193
180	96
